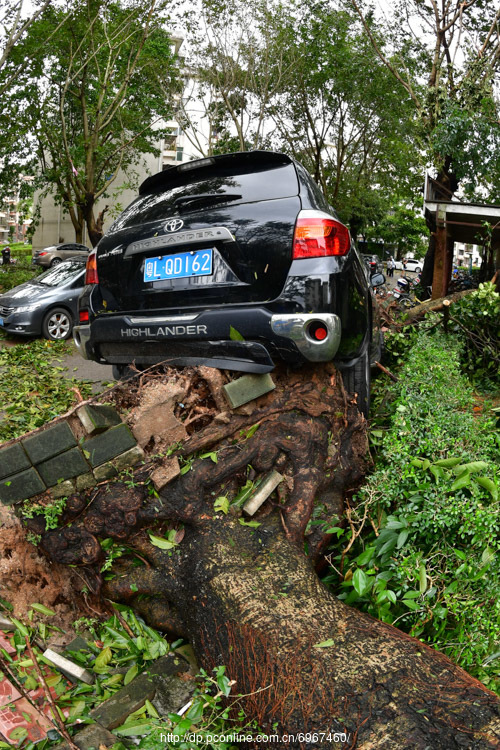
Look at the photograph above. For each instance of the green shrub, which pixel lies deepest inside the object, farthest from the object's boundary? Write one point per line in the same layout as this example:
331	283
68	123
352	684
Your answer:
476	321
426	553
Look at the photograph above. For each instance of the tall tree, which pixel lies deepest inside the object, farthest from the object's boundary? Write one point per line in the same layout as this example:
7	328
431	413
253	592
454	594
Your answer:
339	112
92	99
454	53
16	17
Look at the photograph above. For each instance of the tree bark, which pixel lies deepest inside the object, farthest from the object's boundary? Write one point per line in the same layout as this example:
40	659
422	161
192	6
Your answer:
250	598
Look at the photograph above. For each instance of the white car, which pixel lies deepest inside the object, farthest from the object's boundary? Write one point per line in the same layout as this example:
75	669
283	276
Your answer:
412	264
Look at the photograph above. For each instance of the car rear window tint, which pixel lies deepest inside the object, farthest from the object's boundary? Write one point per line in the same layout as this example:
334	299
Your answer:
233	185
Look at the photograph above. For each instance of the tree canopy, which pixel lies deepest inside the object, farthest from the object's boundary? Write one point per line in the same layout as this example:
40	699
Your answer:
91	98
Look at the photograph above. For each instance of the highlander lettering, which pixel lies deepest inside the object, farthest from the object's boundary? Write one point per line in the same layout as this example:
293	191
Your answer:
164	331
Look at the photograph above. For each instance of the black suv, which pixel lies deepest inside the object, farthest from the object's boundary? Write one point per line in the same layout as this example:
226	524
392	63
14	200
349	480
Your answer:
233	261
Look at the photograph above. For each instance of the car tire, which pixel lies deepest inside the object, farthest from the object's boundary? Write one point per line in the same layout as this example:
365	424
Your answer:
57	324
123	372
417	269
55	262
357	379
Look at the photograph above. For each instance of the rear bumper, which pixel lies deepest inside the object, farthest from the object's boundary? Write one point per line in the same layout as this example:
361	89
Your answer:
247	339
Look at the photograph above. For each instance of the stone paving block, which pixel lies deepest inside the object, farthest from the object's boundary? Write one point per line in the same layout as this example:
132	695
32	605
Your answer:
159	684
12	460
74	671
247	388
64	466
63	489
21	486
113	712
108	445
99	417
85	482
105	471
93	736
129	458
50	442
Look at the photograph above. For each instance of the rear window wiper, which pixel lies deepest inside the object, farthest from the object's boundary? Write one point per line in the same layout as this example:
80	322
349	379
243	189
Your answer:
206	198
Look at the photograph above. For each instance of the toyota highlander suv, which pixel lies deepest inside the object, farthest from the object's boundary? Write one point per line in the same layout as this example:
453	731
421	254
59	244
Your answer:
234	261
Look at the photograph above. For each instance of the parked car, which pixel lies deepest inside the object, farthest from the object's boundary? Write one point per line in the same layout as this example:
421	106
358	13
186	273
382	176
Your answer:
47	305
54	254
372	262
412	264
234	261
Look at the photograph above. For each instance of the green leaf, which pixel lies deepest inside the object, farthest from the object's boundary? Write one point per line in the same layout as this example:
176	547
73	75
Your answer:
422	578
447	463
462	481
361	582
160	542
252	524
489	485
411	595
235	335
473	466
391	596
151	710
103	660
132	672
325	644
76	709
22	628
136	727
42	609
402	537
221	504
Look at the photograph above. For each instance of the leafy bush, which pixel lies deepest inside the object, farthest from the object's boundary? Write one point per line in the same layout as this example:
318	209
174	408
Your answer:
20	271
476	321
425	554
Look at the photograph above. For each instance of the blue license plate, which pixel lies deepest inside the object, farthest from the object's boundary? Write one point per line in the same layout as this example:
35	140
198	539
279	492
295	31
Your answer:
1	321
180	266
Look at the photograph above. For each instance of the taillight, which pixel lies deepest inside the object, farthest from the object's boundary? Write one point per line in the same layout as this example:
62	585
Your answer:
40	254
318	235
91	270
83	316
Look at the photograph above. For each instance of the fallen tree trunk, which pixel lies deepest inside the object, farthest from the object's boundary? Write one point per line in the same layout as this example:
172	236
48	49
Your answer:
433	305
249	597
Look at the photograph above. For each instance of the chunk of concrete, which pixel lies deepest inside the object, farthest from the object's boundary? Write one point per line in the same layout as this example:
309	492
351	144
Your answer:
50	442
248	388
169	470
266	488
68	667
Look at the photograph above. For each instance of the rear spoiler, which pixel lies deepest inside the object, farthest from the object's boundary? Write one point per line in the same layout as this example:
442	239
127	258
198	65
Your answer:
213	166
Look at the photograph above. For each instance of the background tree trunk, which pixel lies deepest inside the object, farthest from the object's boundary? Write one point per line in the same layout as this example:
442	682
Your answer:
249	597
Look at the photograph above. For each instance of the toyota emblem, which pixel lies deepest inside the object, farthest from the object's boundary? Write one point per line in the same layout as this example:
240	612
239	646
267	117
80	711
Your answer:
173	225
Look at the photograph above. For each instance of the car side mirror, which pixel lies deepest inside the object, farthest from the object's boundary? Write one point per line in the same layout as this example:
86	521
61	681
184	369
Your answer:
377	279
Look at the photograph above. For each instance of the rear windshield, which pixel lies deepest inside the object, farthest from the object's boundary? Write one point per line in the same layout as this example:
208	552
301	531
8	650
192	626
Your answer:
219	186
61	273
